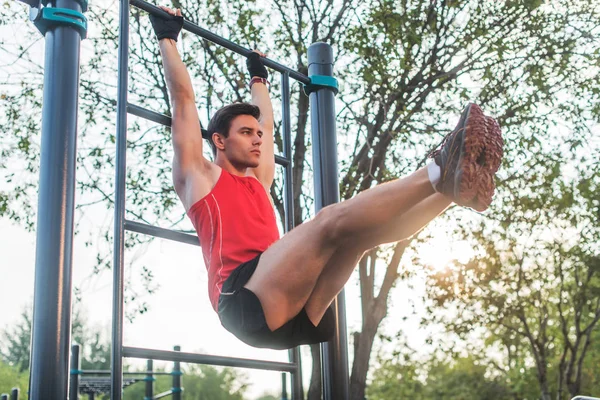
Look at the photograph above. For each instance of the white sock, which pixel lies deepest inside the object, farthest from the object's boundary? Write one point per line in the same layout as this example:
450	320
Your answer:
435	173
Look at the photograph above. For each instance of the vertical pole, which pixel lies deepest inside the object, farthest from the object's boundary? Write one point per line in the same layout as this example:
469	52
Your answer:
283	387
177	377
3	396
294	354
92	396
149	380
75	372
334	354
119	229
14	394
51	326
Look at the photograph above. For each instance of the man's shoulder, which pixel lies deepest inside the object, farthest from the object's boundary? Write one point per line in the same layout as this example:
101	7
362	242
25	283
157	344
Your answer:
193	184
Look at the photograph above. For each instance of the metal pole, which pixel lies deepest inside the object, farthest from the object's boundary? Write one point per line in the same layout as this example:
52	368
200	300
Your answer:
283	387
294	354
51	327
3	396
149	380
75	372
177	377
119	230
14	394
334	354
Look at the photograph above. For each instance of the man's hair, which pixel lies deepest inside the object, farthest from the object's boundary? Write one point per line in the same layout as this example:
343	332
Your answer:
221	120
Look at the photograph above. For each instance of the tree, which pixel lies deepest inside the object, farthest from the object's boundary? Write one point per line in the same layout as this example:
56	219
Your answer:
199	382
95	348
404	375
404	66
535	277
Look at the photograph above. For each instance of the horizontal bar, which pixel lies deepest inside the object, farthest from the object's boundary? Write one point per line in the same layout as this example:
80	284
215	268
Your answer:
107	372
155	117
208	35
162	233
136	352
163	394
166	121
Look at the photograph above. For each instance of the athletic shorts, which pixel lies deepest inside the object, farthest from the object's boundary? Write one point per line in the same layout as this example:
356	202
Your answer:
242	314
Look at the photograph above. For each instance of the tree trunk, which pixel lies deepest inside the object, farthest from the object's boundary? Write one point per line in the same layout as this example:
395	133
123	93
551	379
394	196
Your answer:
363	343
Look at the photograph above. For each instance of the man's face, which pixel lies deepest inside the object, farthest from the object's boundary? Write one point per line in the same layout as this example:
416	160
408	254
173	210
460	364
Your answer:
242	146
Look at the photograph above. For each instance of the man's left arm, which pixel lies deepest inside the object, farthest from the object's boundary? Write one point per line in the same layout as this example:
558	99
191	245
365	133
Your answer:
265	172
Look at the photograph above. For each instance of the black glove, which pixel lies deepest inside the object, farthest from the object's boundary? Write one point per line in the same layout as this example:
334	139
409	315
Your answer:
166	28
255	66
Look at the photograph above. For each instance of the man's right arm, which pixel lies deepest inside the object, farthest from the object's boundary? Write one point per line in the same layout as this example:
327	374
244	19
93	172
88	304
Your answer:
191	170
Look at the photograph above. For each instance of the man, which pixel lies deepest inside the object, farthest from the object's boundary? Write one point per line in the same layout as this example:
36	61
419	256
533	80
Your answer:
276	292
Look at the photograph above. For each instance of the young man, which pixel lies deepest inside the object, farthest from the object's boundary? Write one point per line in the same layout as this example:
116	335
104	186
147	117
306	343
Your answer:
276	292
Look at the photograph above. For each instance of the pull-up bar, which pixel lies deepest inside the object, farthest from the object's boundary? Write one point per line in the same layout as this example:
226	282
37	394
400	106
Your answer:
191	27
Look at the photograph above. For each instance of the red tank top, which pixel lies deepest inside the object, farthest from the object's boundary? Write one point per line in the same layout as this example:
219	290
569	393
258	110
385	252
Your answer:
235	223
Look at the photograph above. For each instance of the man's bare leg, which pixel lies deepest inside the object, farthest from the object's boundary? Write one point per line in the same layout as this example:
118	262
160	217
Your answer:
340	266
288	270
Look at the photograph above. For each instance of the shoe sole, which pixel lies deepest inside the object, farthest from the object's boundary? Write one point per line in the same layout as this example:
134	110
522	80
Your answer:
480	158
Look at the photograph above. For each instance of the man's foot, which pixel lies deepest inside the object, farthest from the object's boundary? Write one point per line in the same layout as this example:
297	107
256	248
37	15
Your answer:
469	157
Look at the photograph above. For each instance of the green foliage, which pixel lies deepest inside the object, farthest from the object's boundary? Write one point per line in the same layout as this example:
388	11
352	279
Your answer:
202	382
404	377
15	343
11	377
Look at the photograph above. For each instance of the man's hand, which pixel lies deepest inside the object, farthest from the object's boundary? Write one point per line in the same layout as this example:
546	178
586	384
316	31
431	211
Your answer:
256	66
167	28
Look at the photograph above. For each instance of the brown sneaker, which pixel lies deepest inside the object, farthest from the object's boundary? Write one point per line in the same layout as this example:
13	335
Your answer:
469	157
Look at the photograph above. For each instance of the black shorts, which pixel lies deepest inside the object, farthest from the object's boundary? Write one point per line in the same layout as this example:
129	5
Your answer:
241	313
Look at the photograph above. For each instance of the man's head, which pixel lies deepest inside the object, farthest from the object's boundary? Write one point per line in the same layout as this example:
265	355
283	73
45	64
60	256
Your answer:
235	131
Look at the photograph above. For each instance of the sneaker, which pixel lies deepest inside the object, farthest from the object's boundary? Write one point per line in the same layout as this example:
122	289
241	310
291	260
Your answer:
469	157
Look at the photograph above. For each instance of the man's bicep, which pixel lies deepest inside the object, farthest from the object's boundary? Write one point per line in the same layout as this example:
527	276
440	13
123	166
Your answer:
187	134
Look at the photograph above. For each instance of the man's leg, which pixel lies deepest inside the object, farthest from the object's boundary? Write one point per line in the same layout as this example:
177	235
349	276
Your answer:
288	270
340	266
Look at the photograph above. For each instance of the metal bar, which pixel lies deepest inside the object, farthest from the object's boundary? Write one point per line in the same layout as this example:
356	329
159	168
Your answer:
136	352
149	386
51	325
176	389
107	372
14	394
193	28
166	121
116	363
75	378
161	395
150	115
161	232
283	387
334	354
294	354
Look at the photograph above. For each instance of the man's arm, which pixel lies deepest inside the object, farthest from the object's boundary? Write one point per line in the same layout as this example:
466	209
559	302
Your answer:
265	172
190	168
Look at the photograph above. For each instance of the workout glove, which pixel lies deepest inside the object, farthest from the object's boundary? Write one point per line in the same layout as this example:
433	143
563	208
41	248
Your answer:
255	66
166	28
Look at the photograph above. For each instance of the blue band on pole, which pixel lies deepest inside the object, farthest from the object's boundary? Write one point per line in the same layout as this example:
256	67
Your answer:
177	373
76	372
149	379
51	16
176	390
318	82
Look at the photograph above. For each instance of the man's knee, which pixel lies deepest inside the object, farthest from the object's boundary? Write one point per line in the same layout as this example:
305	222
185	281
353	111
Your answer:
330	223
